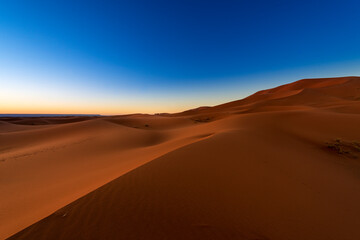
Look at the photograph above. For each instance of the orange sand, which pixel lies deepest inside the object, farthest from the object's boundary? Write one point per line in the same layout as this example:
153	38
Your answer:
264	167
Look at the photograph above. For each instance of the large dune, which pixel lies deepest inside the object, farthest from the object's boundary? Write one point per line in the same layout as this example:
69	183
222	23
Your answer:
281	164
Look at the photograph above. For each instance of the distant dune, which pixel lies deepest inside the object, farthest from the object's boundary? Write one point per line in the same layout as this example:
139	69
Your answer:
47	115
283	163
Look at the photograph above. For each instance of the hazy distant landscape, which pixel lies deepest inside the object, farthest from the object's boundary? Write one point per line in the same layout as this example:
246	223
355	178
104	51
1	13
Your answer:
47	115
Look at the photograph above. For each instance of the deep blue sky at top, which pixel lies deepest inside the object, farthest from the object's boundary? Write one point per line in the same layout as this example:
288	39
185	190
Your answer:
169	45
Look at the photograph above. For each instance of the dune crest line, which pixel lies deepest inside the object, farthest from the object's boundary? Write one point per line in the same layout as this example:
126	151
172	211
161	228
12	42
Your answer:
282	163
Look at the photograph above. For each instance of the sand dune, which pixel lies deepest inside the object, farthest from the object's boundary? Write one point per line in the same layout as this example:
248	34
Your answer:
283	163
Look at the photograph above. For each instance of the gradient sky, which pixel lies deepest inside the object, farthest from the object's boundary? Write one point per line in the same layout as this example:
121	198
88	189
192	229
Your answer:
115	57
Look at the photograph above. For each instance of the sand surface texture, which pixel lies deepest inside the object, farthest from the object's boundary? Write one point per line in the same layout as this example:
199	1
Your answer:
281	164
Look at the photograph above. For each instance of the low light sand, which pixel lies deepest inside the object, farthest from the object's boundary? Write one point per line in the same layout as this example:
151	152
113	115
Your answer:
283	163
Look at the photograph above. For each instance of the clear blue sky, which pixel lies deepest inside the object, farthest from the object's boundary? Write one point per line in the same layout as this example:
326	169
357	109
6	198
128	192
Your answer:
113	57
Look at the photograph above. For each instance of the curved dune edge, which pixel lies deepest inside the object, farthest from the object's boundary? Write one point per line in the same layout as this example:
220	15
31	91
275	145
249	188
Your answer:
80	161
264	167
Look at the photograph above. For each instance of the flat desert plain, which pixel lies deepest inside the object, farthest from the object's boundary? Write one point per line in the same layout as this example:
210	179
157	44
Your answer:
283	163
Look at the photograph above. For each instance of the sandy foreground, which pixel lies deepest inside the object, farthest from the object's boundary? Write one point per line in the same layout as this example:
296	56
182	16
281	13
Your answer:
281	164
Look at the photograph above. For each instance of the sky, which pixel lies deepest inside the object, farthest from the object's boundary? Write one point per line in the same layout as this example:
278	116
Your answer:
118	57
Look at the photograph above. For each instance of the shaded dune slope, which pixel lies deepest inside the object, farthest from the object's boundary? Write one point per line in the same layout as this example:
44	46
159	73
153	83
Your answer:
275	165
45	168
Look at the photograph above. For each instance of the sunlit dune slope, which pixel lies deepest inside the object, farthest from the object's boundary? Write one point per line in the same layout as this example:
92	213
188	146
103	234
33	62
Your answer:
283	163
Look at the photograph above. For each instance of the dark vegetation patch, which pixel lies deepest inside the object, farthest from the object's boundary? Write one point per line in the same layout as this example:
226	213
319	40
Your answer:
202	119
349	149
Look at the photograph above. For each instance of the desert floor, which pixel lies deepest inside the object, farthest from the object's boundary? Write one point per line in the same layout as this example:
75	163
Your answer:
281	164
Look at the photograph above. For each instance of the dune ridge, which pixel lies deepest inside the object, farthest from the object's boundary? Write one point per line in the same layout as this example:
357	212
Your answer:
282	163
